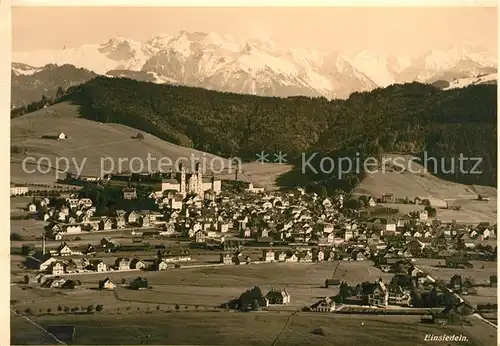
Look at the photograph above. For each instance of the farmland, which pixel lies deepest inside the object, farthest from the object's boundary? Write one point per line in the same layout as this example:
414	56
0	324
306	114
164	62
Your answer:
260	328
211	286
477	273
416	181
196	287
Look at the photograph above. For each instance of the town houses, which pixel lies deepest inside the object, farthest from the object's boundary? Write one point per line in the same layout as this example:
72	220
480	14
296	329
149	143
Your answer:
183	225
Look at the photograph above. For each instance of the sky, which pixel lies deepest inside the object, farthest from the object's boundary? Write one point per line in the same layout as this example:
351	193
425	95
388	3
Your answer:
406	30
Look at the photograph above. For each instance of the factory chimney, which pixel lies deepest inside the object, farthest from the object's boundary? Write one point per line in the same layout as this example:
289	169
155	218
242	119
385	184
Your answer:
43	243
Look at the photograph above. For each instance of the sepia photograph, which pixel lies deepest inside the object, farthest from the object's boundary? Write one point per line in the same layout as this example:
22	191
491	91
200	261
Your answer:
250	175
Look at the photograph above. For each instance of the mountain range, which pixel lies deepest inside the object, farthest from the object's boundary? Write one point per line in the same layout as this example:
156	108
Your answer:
260	66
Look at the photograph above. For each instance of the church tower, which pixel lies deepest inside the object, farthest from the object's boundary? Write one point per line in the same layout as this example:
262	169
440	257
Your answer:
183	180
199	181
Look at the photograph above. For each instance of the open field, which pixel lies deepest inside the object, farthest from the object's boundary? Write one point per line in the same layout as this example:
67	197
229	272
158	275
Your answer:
210	286
89	141
478	274
28	229
264	174
481	276
233	328
424	184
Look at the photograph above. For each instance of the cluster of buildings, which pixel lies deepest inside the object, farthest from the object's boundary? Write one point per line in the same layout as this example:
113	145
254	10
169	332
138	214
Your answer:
18	189
61	261
315	230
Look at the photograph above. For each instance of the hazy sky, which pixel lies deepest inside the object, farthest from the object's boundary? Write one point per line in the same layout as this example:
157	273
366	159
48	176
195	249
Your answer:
390	30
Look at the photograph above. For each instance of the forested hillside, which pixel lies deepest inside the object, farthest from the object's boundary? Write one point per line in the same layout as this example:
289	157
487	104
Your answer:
48	82
410	118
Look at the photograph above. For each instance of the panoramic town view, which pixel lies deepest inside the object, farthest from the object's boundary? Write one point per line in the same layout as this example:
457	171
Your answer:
226	176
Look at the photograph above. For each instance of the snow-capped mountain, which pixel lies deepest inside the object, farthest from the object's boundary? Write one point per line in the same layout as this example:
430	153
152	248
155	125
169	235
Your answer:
490	78
253	66
24	69
463	60
260	65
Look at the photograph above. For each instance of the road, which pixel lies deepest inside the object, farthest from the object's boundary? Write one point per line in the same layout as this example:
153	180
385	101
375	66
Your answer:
40	327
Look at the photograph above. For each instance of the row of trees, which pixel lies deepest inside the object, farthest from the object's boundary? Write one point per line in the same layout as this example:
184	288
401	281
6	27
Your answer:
66	309
93	308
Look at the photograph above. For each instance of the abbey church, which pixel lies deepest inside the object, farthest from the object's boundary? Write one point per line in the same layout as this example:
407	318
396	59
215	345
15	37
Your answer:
190	182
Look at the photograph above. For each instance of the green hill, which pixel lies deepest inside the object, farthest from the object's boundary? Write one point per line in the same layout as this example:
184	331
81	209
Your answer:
46	82
412	118
89	142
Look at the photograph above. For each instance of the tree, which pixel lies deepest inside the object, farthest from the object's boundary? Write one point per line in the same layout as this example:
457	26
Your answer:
465	310
66	309
416	299
59	92
99	308
344	289
177	307
28	311
139	136
49	310
433	297
15	237
157	308
59	308
255	305
432	212
90	309
43	101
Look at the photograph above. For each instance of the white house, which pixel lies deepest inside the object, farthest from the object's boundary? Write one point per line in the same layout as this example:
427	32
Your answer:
324	305
16	190
32	208
269	255
64	250
72	229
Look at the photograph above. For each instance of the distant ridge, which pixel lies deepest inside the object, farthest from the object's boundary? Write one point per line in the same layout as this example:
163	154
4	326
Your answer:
261	66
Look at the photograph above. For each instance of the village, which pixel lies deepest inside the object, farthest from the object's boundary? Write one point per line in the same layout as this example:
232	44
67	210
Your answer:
366	257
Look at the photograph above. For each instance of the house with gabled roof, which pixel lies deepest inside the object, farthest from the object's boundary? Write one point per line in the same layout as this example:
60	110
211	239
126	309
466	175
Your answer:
137	264
98	266
106	284
105	224
268	255
132	217
377	293
199	236
278	297
291	257
397	296
122	263
64	250
318	255
305	256
57	268
324	305
46	263
281	256
160	264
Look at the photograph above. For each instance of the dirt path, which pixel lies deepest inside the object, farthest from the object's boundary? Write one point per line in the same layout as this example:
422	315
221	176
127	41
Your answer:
285	327
40	327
